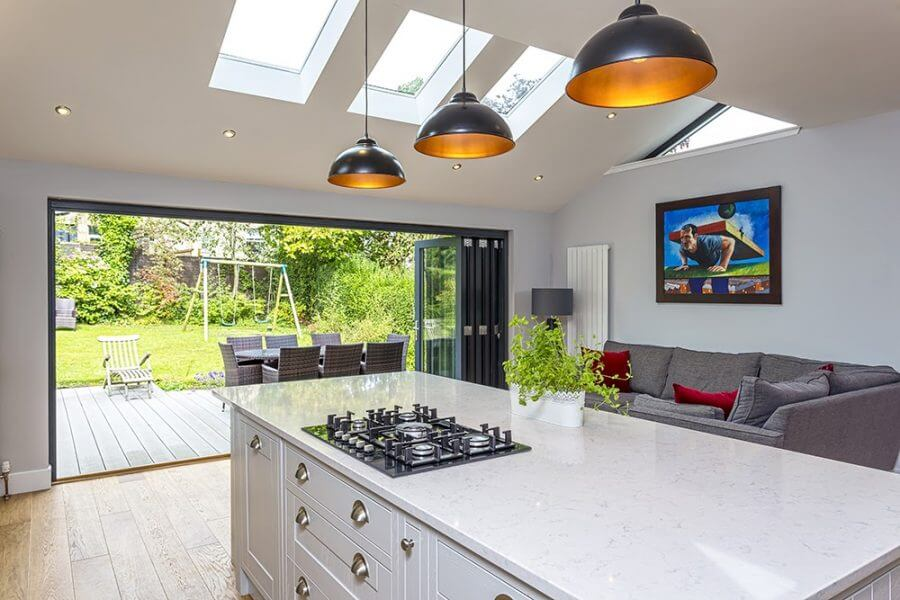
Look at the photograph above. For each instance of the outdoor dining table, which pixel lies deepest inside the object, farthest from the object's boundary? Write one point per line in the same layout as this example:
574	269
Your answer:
269	355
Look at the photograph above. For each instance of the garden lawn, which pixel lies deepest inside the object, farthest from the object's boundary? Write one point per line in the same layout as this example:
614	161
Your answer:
176	356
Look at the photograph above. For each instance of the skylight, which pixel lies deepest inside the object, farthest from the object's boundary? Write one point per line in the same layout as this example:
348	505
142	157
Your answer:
528	72
279	48
729	125
421	64
420	45
278	33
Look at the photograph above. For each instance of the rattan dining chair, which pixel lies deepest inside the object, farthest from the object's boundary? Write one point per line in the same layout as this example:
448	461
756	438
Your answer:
250	342
293	364
383	357
396	337
326	339
281	341
238	374
341	360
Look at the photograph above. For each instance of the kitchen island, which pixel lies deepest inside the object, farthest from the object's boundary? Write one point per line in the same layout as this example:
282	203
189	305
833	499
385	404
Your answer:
622	508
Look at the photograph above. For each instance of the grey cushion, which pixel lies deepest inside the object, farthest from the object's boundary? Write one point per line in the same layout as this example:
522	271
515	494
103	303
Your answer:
709	371
861	379
695	410
649	365
779	367
595	401
757	398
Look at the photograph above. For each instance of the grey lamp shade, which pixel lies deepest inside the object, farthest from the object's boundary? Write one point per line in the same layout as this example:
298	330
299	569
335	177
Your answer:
555	302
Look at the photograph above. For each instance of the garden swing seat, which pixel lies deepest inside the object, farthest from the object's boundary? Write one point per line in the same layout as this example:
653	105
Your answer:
120	361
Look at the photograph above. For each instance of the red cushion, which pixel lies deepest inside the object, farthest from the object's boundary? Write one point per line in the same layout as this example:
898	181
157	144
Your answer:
828	367
615	368
723	400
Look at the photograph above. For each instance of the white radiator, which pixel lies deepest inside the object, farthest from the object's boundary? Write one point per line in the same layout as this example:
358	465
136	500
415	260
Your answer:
588	276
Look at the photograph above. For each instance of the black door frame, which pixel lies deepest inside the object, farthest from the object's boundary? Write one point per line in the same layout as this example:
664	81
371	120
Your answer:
61	204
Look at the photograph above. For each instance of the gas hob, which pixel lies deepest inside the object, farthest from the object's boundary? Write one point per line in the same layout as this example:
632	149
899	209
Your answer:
402	442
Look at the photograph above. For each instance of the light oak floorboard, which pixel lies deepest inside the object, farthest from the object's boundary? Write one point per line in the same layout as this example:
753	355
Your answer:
15	510
190	527
214	566
50	569
94	579
83	522
135	575
14	558
108	496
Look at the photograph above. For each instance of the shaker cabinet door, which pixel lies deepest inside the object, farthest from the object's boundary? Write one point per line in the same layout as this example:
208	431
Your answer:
260	557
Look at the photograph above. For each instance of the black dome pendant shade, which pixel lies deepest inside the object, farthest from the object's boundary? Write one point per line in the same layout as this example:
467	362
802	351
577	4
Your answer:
642	59
464	127
366	165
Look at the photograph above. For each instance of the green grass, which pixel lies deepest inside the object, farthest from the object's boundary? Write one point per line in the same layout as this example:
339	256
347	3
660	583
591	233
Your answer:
176	356
735	270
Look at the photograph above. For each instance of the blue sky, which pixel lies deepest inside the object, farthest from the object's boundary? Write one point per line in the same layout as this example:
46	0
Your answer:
751	215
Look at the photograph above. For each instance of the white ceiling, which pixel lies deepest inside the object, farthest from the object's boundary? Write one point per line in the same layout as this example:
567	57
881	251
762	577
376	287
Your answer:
136	75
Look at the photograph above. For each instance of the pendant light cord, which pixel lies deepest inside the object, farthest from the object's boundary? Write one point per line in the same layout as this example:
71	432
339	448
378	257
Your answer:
366	58
464	44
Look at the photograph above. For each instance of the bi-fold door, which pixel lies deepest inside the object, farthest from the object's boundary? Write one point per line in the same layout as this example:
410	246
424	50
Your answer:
460	309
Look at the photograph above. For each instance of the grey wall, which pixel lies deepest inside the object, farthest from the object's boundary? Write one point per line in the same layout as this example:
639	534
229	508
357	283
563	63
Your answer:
841	219
25	187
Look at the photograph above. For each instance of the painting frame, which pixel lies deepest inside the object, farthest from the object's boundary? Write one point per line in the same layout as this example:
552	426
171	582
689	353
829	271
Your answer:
774	293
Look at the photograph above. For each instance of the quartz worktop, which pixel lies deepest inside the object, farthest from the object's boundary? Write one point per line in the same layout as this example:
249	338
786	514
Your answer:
621	508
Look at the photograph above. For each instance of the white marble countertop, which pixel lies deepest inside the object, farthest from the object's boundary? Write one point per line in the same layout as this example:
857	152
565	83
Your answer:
622	508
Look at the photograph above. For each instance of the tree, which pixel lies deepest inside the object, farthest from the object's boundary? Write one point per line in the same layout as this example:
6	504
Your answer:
411	87
504	102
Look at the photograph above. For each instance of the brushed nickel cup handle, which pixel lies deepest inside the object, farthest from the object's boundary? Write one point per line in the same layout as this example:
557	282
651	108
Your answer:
358	513
503	597
359	567
255	443
302	518
407	544
302	588
302	474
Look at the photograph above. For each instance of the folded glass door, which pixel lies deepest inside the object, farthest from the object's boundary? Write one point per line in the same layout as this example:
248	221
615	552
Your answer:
438	326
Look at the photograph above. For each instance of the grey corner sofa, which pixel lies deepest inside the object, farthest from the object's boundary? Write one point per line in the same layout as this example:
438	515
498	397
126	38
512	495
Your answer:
855	418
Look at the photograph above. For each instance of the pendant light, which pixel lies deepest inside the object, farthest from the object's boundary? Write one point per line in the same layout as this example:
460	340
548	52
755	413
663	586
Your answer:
366	165
464	127
642	59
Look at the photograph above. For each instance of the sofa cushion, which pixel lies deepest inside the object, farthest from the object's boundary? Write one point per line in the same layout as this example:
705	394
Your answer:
758	399
610	368
695	410
721	400
595	401
709	371
780	367
649	365
860	379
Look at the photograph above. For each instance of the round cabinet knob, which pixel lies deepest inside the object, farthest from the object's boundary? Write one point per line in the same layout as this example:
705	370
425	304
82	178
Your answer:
302	474
358	513
255	443
407	544
359	567
302	518
302	588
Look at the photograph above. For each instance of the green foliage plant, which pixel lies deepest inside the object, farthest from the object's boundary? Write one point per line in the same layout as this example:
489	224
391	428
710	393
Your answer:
540	364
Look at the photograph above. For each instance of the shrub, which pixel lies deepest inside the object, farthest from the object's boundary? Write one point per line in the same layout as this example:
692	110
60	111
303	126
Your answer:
117	242
99	292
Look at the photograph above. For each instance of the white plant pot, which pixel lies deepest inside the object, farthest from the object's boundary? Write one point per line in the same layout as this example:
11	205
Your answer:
562	408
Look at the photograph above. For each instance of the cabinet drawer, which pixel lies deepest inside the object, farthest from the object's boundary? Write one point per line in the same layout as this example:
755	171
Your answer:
460	578
328	555
340	498
295	587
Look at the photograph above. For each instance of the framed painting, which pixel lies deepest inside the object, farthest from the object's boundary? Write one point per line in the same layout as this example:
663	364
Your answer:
720	249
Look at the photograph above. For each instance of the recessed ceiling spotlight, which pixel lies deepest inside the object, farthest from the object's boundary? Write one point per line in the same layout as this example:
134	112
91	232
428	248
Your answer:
538	177
63	110
456	166
611	115
229	133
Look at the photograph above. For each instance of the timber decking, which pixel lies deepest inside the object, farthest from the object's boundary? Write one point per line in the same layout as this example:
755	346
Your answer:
96	433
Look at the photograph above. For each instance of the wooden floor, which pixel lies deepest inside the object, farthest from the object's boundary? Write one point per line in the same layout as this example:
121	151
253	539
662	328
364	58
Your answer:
156	534
96	432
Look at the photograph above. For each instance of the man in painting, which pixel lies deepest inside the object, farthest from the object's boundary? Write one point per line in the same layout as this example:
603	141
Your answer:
712	252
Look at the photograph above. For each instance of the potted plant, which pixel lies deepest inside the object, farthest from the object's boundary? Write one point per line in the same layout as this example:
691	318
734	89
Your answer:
545	381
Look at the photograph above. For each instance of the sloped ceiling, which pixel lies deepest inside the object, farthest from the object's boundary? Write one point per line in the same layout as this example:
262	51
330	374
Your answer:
136	75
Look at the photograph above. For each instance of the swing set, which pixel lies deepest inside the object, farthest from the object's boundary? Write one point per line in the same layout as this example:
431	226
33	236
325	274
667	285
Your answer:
270	314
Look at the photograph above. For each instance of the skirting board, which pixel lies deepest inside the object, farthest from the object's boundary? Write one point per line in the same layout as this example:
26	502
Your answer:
21	482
